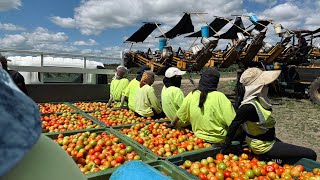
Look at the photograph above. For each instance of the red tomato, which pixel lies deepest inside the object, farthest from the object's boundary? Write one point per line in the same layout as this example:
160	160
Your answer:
141	141
299	168
98	148
226	173
278	172
202	176
275	166
97	162
120	159
122	146
199	141
213	170
219	156
263	172
269	168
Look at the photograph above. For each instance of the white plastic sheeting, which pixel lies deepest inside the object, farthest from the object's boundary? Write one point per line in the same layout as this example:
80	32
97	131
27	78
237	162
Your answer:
52	61
33	77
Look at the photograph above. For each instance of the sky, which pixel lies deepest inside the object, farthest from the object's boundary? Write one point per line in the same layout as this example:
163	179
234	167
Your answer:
99	27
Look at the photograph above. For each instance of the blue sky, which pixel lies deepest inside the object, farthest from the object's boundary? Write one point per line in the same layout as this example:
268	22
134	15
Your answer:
99	27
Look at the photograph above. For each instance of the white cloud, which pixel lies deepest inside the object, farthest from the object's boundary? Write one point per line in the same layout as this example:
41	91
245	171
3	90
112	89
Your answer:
295	14
39	39
13	41
42	39
44	35
55	47
94	16
10	27
63	22
265	2
90	42
9	4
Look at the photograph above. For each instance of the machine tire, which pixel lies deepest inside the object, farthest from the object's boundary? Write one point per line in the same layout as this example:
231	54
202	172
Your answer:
314	91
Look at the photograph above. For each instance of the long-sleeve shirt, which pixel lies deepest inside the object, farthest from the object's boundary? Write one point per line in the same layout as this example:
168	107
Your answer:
258	144
211	122
246	112
131	92
147	102
172	98
117	87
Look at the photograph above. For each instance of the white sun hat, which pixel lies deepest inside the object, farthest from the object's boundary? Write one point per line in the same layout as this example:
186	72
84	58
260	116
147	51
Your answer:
173	71
255	76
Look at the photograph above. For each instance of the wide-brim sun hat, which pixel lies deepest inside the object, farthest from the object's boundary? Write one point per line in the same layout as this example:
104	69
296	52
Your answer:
255	76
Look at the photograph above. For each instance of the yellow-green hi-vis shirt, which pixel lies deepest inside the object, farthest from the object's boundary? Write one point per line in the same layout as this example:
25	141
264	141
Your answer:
211	123
131	92
171	99
147	101
117	87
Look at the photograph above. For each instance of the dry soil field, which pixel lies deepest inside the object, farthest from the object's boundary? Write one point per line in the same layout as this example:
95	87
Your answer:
298	120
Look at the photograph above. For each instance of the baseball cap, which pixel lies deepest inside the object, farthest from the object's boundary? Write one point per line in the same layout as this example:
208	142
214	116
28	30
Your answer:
255	76
173	71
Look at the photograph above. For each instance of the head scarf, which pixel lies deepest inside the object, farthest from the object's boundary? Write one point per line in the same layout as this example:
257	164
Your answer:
208	82
259	92
174	81
141	70
19	122
121	72
147	78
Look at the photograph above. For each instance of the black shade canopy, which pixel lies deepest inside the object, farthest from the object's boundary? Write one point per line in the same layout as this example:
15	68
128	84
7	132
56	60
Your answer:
184	26
259	26
232	32
142	33
216	24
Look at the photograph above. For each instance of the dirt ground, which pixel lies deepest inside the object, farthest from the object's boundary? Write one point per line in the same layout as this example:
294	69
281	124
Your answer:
298	120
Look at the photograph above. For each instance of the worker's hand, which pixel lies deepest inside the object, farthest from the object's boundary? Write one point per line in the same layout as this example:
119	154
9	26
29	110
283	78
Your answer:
124	107
108	105
170	125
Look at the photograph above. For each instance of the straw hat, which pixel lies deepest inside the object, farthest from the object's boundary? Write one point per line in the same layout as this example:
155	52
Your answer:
255	76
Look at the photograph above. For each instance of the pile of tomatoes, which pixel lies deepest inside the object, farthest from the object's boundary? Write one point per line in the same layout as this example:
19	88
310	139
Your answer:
66	122
119	117
91	106
54	108
94	152
164	141
228	167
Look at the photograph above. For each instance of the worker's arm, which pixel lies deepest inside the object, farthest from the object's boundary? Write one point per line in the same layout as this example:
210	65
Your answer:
110	101
123	98
174	122
244	113
155	103
125	95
